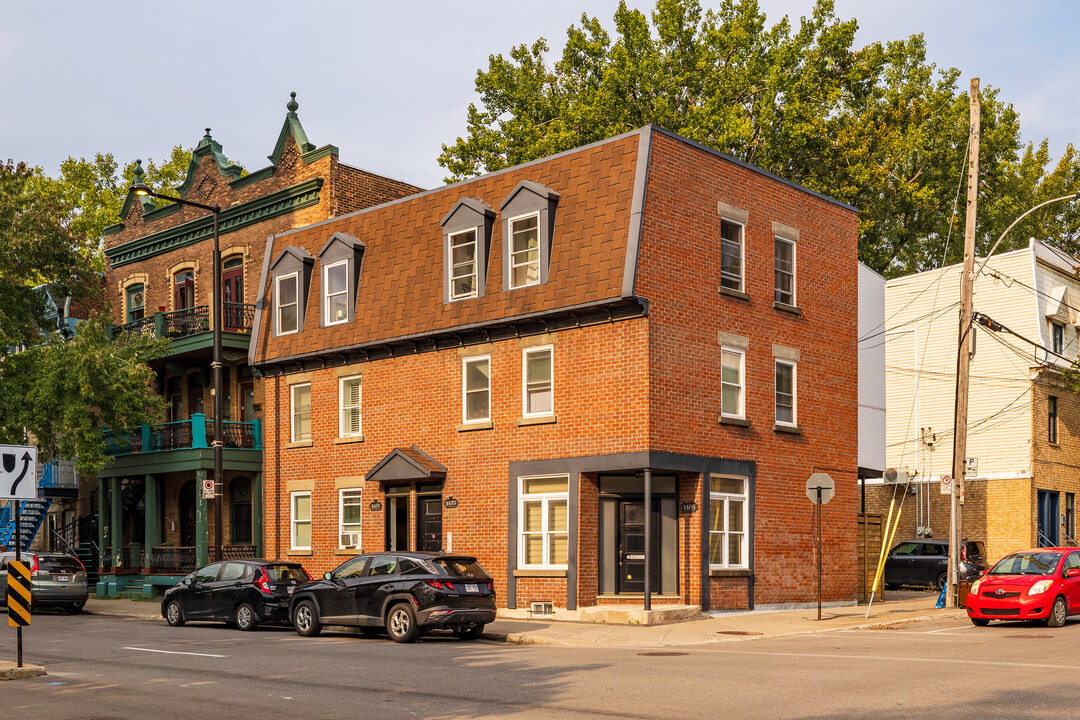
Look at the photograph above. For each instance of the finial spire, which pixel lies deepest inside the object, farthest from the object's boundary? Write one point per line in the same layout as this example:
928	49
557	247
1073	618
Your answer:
138	172
208	134
292	104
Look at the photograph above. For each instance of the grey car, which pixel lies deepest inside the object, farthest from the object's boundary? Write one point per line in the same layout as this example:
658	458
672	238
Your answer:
55	579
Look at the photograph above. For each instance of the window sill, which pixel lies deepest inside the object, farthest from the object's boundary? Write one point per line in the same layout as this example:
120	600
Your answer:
349	439
793	429
787	308
732	293
298	552
538	420
739	422
729	572
299	444
348	551
469	427
540	573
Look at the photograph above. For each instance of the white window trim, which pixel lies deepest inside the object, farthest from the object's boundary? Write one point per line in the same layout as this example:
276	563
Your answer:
720	497
476	231
292	410
293	522
741	414
465	362
327	296
545	497
794	393
341	518
550	349
510	223
794	269
278	305
342	426
742	255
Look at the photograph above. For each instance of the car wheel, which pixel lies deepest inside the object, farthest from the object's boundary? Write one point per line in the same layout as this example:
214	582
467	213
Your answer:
174	613
74	608
245	617
401	623
979	622
941	580
469	632
306	619
1058	613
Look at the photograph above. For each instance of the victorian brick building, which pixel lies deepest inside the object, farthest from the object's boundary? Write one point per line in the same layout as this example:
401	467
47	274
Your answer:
607	373
154	519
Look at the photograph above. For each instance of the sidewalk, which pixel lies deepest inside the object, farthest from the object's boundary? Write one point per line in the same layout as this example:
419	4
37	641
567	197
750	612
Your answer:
736	626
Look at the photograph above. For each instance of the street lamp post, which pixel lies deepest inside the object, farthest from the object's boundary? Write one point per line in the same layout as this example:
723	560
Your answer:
139	188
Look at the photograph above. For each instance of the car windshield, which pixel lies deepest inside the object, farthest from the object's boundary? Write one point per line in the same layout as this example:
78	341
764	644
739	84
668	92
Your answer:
459	567
1027	563
58	564
285	572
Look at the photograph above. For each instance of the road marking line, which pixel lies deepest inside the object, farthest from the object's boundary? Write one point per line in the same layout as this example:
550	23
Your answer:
894	658
958	627
172	652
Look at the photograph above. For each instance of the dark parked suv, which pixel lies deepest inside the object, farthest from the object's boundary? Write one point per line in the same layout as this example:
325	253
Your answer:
926	562
244	592
404	592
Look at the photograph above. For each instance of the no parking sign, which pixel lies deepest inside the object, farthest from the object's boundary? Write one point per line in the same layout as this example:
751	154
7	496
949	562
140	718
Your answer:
946	485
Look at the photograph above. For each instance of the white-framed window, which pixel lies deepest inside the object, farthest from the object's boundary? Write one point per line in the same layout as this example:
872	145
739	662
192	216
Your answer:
300	520
525	251
544	523
286	306
732	400
729	509
476	389
463	265
336	292
537	381
731	255
1057	337
785	271
301	411
786	377
350	513
349	402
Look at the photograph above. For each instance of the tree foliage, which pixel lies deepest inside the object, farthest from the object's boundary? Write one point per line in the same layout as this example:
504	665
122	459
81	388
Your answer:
878	127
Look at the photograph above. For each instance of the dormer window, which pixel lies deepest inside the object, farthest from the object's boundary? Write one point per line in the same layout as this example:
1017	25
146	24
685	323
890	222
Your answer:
285	302
463	265
336	292
528	226
291	273
466	242
525	251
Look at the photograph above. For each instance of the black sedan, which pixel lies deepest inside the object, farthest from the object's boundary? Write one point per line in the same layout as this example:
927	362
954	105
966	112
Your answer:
405	593
240	592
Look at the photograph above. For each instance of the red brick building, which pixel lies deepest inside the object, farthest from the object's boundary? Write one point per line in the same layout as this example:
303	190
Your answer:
510	366
153	521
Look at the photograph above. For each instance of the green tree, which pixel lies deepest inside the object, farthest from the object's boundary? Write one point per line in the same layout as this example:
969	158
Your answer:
877	127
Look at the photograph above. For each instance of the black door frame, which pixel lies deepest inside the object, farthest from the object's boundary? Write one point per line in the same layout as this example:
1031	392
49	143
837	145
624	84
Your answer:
427	493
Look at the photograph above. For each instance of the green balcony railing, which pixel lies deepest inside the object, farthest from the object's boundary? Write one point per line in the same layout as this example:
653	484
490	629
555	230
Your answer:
198	432
235	318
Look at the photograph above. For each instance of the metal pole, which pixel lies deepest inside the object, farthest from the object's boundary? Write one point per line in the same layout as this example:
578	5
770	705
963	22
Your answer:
648	539
18	558
819	552
219	480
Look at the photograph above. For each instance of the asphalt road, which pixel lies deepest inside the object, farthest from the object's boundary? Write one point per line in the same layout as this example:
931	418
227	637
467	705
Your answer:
104	667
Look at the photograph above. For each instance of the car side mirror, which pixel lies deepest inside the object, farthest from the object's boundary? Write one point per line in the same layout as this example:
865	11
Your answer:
328	575
189	581
1072	572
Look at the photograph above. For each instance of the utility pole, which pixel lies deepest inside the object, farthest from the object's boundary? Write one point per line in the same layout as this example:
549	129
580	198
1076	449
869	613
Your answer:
963	355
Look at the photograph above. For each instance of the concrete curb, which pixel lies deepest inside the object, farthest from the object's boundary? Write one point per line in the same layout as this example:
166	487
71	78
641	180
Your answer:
10	671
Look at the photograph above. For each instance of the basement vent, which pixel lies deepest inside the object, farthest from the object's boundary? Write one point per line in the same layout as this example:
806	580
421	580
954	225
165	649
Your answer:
543	608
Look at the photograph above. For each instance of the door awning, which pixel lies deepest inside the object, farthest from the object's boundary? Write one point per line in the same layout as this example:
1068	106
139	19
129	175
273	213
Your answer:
406	464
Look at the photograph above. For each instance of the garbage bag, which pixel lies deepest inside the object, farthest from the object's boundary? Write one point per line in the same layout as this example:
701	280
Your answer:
941	598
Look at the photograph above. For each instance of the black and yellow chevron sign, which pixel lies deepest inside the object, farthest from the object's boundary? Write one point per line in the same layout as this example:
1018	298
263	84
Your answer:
18	594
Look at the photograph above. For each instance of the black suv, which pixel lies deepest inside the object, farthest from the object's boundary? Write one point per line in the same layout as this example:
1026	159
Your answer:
926	562
244	592
404	592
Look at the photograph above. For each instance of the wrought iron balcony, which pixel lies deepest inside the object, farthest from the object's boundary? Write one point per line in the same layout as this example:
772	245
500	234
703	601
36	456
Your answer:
198	432
236	318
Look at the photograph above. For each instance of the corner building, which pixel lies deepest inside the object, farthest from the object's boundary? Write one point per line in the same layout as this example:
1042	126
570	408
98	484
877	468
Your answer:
607	373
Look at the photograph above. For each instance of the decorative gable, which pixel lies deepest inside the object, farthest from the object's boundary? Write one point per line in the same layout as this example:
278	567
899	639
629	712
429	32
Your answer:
1057	304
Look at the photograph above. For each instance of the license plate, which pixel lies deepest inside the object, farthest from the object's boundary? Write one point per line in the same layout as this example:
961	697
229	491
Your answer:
291	588
63	578
471	588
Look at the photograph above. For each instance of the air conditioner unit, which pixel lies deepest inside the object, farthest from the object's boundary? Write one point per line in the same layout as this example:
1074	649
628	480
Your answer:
896	475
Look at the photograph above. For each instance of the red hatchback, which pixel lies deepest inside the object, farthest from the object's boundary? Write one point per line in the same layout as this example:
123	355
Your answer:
1039	584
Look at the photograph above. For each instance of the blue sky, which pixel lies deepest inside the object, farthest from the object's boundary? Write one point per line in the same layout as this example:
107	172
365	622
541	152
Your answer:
388	83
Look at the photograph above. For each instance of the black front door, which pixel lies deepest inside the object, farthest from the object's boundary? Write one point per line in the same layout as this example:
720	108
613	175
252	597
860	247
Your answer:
187	514
631	547
429	537
1048	518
